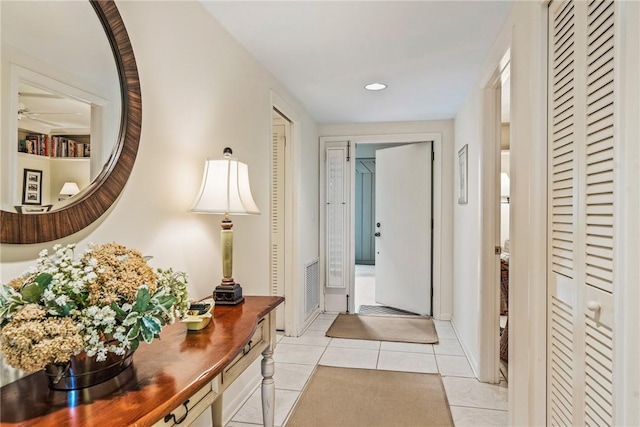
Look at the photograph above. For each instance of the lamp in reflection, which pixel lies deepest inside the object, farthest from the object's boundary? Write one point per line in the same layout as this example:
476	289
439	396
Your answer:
225	190
69	189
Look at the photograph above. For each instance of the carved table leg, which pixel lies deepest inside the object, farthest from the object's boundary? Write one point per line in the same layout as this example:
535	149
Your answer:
268	387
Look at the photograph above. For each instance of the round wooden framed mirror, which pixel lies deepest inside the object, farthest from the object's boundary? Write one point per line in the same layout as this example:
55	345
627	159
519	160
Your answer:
20	228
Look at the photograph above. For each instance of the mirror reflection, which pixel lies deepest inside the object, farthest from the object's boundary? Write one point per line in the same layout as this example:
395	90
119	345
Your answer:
54	135
61	103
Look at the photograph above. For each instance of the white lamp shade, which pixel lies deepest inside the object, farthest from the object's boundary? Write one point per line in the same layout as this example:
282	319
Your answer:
225	189
69	189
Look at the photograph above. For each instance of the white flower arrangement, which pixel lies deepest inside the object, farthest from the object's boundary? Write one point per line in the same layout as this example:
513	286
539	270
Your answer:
108	300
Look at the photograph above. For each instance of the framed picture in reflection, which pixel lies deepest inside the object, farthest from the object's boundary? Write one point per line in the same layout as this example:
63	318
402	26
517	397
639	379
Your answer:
32	187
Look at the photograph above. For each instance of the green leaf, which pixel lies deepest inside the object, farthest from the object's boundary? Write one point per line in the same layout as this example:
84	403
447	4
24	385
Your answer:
166	301
142	300
43	279
10	302
151	324
120	313
134	344
57	310
65	309
31	292
134	331
147	335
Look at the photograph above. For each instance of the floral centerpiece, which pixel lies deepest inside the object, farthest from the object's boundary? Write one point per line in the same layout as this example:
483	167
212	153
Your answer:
105	301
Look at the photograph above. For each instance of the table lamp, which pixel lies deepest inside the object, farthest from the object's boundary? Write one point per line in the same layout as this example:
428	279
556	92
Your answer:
68	189
225	190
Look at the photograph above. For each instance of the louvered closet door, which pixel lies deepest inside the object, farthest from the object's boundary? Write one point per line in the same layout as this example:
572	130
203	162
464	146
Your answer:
277	217
580	286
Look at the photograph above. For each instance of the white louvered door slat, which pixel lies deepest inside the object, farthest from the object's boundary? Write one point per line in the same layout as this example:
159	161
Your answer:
599	145
337	215
599	210
561	363
562	138
562	215
277	207
277	267
581	212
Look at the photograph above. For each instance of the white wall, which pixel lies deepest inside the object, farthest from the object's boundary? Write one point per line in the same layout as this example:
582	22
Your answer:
466	230
200	92
525	33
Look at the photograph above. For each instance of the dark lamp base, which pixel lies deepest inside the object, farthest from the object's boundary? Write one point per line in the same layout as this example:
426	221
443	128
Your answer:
228	294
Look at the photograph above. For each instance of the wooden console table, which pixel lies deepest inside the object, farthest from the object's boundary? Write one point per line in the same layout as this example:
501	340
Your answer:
172	380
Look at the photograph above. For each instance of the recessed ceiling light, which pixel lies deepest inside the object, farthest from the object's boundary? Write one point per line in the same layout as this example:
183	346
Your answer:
375	86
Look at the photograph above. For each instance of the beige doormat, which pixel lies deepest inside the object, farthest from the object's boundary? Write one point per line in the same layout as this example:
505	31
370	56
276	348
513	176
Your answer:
336	397
414	329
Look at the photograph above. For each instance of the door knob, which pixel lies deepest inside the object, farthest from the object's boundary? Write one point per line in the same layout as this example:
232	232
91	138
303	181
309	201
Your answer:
593	306
377	234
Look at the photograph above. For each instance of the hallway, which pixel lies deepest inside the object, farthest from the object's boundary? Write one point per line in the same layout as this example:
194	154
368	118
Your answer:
472	403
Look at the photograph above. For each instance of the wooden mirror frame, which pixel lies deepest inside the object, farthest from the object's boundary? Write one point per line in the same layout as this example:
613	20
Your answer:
104	190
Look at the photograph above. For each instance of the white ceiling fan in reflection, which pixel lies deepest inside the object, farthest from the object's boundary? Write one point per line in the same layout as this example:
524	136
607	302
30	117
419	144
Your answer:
49	118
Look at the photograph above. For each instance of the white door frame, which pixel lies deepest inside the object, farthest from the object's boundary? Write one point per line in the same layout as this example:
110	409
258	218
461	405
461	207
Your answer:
441	310
488	339
626	380
527	42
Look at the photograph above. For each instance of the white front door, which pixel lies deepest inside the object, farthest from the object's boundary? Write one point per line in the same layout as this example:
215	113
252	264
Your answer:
403	227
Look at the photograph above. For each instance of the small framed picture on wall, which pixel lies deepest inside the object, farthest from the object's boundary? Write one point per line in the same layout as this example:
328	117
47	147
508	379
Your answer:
32	187
463	176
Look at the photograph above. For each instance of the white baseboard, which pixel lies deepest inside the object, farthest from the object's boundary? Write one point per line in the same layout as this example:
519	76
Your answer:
444	316
472	361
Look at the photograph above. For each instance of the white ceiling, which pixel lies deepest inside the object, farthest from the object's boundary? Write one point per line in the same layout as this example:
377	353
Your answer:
51	112
429	53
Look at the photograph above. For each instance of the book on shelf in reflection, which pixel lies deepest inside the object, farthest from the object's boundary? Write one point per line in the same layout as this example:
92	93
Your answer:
56	146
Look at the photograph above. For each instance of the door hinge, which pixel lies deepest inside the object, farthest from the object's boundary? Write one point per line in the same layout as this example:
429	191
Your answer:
433	156
498	250
348	150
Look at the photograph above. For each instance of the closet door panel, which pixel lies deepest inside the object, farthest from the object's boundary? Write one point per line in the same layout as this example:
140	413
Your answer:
562	283
581	212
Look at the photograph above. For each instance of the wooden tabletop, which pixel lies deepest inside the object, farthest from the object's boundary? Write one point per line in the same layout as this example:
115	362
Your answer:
163	375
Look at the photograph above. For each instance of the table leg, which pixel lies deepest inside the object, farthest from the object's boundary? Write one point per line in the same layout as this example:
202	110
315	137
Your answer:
216	412
268	387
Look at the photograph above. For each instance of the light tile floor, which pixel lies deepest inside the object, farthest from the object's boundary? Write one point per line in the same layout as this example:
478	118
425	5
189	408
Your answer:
365	286
472	403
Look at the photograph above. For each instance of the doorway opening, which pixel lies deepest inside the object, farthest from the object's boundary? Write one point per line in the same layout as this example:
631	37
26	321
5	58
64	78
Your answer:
503	213
337	218
492	211
393	213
